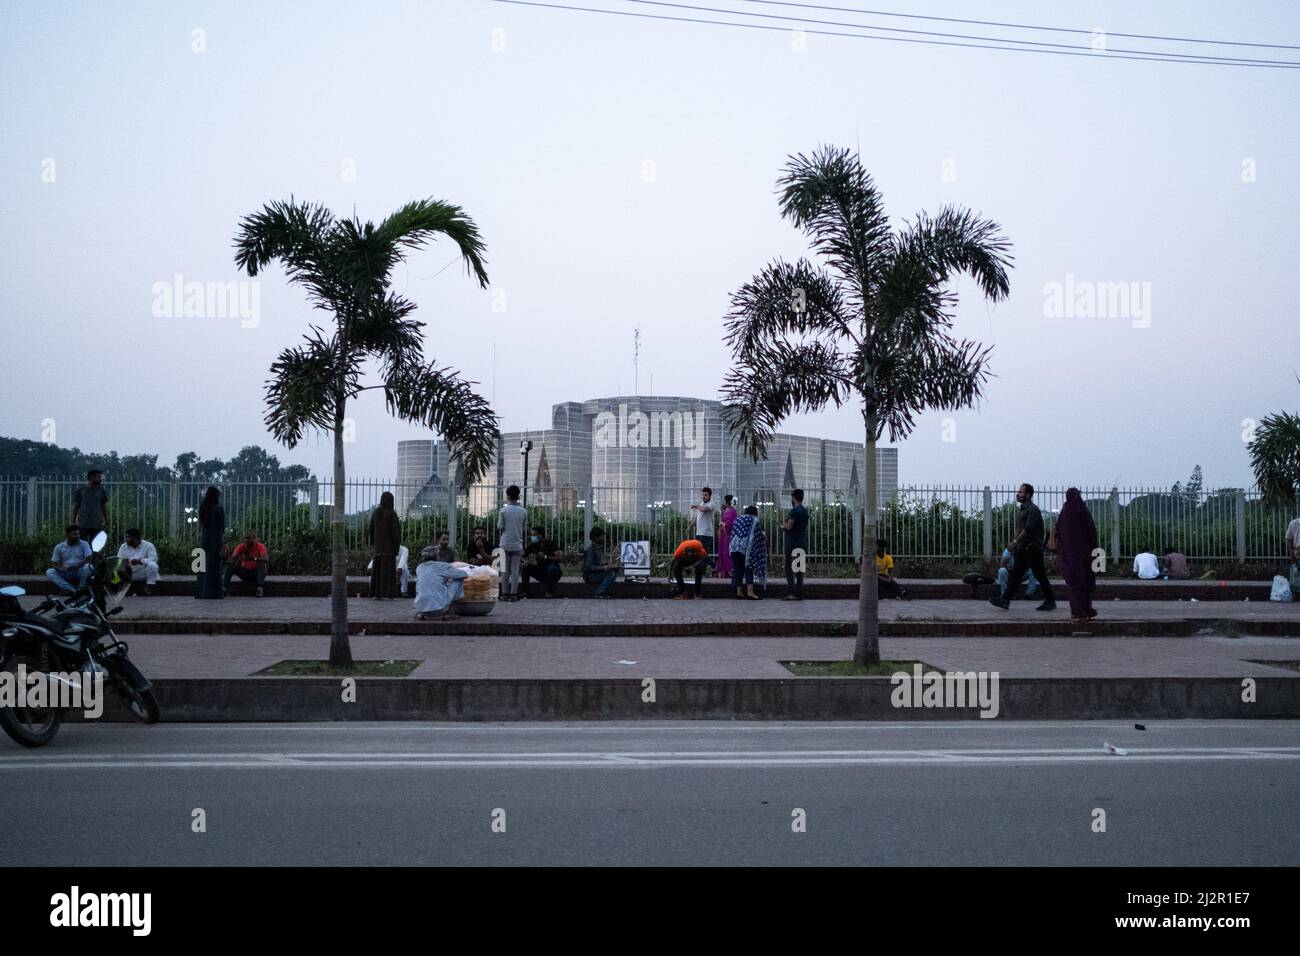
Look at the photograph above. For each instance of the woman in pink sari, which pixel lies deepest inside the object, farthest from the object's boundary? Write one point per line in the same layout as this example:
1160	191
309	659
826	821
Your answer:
724	537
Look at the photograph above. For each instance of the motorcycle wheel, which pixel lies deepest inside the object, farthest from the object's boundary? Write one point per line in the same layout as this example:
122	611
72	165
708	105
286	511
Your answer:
142	704
29	726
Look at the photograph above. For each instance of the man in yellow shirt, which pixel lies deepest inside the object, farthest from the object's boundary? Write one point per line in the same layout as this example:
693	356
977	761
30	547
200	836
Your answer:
888	584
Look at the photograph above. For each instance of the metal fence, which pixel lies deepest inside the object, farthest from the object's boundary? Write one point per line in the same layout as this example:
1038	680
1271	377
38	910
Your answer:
928	522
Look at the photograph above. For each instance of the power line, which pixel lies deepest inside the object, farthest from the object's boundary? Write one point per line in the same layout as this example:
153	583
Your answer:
867	36
1018	26
961	36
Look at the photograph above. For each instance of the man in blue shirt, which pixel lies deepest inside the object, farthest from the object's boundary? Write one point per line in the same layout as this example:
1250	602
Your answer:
796	539
70	565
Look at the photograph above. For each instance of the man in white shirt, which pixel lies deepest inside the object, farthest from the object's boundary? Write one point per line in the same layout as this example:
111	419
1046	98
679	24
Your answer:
1146	565
143	558
704	522
1293	539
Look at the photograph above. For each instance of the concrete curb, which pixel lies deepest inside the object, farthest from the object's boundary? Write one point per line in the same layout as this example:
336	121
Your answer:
312	699
487	627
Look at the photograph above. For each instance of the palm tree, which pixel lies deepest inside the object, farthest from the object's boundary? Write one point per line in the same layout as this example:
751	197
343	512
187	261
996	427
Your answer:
873	325
1275	457
346	267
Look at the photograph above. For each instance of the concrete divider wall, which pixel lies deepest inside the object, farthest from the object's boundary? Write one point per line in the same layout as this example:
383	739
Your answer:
311	699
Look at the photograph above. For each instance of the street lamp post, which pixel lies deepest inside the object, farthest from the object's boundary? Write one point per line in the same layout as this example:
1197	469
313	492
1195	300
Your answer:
525	447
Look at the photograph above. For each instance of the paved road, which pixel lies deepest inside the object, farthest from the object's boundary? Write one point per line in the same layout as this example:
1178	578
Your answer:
1187	793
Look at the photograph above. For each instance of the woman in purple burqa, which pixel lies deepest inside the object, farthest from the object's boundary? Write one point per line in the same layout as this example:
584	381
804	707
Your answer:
1076	537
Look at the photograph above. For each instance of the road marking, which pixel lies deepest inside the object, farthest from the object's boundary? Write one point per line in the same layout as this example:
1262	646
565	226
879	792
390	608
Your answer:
626	759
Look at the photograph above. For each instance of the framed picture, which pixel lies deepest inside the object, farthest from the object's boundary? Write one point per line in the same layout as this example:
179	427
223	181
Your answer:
635	556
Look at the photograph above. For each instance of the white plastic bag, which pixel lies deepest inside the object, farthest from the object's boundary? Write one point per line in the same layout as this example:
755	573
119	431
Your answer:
1281	590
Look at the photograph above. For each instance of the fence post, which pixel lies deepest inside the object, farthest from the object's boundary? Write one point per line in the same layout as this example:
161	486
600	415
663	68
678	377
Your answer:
855	519
1114	519
988	522
451	510
174	510
314	504
1241	525
586	516
31	507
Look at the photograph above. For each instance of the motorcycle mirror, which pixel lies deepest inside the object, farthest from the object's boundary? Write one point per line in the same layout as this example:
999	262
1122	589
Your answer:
12	591
98	543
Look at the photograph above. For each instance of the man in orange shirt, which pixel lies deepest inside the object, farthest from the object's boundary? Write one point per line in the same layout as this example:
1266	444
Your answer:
249	560
689	556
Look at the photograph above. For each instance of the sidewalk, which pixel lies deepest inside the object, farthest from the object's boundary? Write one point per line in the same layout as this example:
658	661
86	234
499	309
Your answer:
706	616
165	656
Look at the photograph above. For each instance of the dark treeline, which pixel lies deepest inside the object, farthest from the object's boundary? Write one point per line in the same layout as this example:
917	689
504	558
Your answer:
22	458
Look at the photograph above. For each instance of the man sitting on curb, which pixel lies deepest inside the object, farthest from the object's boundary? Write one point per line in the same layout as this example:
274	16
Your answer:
595	569
250	561
142	556
690	555
541	561
886	584
70	565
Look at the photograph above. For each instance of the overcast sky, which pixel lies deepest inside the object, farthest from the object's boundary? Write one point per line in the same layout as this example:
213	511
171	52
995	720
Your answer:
622	171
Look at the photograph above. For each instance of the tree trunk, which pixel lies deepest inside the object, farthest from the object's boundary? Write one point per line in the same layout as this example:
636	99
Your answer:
867	649
340	646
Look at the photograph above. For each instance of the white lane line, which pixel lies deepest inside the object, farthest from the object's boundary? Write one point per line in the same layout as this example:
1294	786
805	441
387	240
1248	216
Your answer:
647	759
668	726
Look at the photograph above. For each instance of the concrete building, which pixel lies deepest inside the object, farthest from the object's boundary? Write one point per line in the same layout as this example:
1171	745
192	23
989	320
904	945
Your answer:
633	453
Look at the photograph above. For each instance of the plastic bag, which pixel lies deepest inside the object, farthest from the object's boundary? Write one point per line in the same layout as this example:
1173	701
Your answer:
1281	589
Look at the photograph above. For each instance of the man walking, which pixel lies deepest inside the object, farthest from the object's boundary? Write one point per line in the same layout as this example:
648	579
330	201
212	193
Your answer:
90	506
796	540
511	523
1027	547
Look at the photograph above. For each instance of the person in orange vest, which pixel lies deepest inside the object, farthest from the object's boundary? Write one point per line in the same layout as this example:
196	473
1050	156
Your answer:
690	555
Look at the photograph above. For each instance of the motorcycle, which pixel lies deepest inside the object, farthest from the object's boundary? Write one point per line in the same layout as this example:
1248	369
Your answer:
71	636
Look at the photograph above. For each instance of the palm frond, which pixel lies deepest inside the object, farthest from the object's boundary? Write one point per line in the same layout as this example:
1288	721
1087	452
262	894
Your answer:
835	202
297	234
301	391
756	397
1275	457
958	241
785	299
439	399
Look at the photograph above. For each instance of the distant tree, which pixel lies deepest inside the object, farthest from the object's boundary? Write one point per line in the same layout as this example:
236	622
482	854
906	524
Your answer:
1177	490
1193	490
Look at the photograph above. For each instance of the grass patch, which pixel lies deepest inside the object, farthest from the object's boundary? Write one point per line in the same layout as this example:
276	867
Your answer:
391	668
850	668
